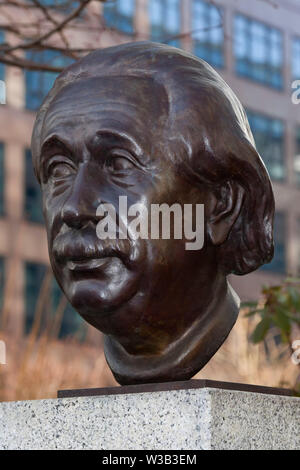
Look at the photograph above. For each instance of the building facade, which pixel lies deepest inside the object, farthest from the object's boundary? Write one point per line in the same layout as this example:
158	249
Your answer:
255	46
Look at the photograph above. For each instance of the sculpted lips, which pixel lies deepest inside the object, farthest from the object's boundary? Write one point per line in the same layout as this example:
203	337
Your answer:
89	264
88	260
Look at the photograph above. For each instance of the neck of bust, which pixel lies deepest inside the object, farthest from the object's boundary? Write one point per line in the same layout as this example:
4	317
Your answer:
183	358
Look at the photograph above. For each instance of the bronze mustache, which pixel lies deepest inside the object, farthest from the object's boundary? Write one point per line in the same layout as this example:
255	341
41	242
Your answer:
83	246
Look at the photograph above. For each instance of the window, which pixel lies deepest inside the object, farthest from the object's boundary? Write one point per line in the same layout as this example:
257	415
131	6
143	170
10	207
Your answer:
2	280
208	33
34	275
2	70
71	322
33	197
119	14
165	21
258	51
66	6
2	171
298	240
297	157
278	263
269	138
296	59
38	83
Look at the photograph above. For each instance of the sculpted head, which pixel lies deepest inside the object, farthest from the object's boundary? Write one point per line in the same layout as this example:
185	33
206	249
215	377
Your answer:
154	125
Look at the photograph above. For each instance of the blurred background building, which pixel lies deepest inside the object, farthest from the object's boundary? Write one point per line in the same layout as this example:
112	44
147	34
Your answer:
255	46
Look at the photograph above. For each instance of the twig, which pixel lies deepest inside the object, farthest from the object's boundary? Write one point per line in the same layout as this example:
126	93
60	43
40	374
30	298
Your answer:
56	23
56	29
29	65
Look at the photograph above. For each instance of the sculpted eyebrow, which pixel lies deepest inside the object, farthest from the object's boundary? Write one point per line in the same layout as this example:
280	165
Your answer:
54	142
122	137
119	138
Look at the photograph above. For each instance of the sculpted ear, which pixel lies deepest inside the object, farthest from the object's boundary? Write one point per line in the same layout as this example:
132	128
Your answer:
223	208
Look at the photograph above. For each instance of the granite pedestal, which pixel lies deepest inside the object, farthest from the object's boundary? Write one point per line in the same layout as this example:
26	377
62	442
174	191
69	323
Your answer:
181	416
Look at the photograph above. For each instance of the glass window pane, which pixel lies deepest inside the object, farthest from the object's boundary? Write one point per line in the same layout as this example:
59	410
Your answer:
2	280
208	34
172	22
298	239
165	19
2	69
155	11
34	275
296	59
119	14
269	135
38	83
33	197
126	7
69	324
258	51
2	176
297	157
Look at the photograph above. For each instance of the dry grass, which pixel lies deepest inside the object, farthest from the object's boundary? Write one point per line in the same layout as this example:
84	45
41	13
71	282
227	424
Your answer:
38	367
51	365
40	364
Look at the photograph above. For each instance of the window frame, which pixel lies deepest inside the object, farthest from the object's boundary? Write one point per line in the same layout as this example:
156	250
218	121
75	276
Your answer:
294	38
27	210
55	294
268	117
34	97
209	6
2	179
297	152
165	35
269	26
2	281
2	66
114	17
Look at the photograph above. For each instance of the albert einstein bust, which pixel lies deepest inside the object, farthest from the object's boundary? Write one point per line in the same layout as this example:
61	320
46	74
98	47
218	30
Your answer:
157	125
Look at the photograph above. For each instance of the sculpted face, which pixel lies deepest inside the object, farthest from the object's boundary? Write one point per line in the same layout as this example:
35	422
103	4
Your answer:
164	310
110	144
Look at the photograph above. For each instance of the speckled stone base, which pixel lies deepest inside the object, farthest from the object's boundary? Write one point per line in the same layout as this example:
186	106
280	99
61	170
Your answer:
205	418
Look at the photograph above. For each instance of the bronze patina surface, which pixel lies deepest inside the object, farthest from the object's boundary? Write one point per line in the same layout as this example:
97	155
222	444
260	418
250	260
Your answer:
157	125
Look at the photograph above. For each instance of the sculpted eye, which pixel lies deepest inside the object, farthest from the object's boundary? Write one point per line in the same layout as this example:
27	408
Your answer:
60	170
119	164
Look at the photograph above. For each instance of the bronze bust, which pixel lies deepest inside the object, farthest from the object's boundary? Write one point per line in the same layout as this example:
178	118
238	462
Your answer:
159	126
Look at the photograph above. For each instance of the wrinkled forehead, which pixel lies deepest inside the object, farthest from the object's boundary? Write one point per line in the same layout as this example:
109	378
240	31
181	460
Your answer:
132	105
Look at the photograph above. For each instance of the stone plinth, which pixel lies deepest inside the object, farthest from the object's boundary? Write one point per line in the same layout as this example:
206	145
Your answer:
189	416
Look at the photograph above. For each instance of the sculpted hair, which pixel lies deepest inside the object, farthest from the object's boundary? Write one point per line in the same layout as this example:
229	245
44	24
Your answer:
208	133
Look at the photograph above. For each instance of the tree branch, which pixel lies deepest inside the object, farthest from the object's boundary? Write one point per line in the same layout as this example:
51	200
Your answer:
56	29
29	65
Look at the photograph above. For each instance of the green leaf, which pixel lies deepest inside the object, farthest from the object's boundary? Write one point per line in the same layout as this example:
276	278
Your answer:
294	317
268	289
253	312
261	330
282	298
294	297
293	280
248	304
282	320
